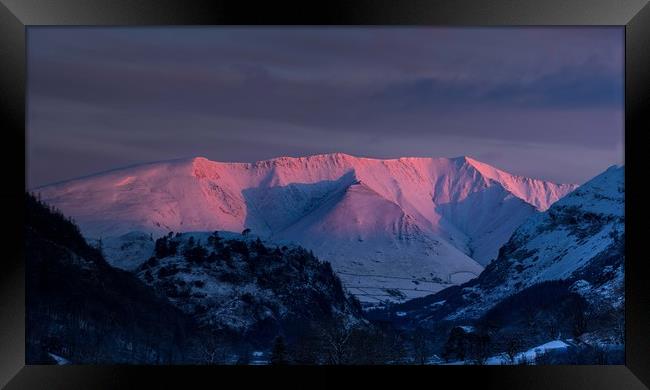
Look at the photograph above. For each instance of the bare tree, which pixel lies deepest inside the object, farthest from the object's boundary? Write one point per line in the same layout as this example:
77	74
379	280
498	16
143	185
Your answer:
421	346
579	323
542	358
619	325
279	355
337	343
307	350
523	360
480	349
530	314
513	344
553	327
336	338
212	351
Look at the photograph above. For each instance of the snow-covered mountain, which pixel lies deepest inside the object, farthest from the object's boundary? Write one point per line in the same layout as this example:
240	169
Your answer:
578	240
392	229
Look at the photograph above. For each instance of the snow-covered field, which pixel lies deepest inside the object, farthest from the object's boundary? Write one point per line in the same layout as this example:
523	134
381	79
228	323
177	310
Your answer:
526	357
61	361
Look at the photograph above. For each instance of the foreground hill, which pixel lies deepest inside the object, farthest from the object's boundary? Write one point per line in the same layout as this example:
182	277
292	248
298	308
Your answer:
187	304
247	289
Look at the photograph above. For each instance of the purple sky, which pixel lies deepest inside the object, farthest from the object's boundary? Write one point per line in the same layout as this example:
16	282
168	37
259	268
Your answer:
541	102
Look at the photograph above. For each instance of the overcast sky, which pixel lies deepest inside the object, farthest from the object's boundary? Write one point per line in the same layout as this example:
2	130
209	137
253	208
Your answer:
541	102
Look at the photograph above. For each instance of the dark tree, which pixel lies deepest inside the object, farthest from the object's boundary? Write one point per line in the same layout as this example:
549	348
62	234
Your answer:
161	248
240	247
225	255
172	247
307	349
165	247
578	323
279	354
100	245
244	355
513	344
479	348
214	241
195	254
421	346
259	247
465	344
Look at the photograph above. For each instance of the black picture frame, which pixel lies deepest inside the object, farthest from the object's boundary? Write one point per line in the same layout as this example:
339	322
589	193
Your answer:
17	15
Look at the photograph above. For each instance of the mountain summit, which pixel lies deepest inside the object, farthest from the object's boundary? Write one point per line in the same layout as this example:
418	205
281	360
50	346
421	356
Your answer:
410	225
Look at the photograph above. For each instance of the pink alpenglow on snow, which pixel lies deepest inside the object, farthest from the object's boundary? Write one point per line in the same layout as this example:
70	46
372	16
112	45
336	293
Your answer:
393	228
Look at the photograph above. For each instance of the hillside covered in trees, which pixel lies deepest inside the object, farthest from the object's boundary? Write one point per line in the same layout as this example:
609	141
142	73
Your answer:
225	302
85	311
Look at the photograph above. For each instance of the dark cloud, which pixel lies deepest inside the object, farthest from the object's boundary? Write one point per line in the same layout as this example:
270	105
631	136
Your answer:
114	96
